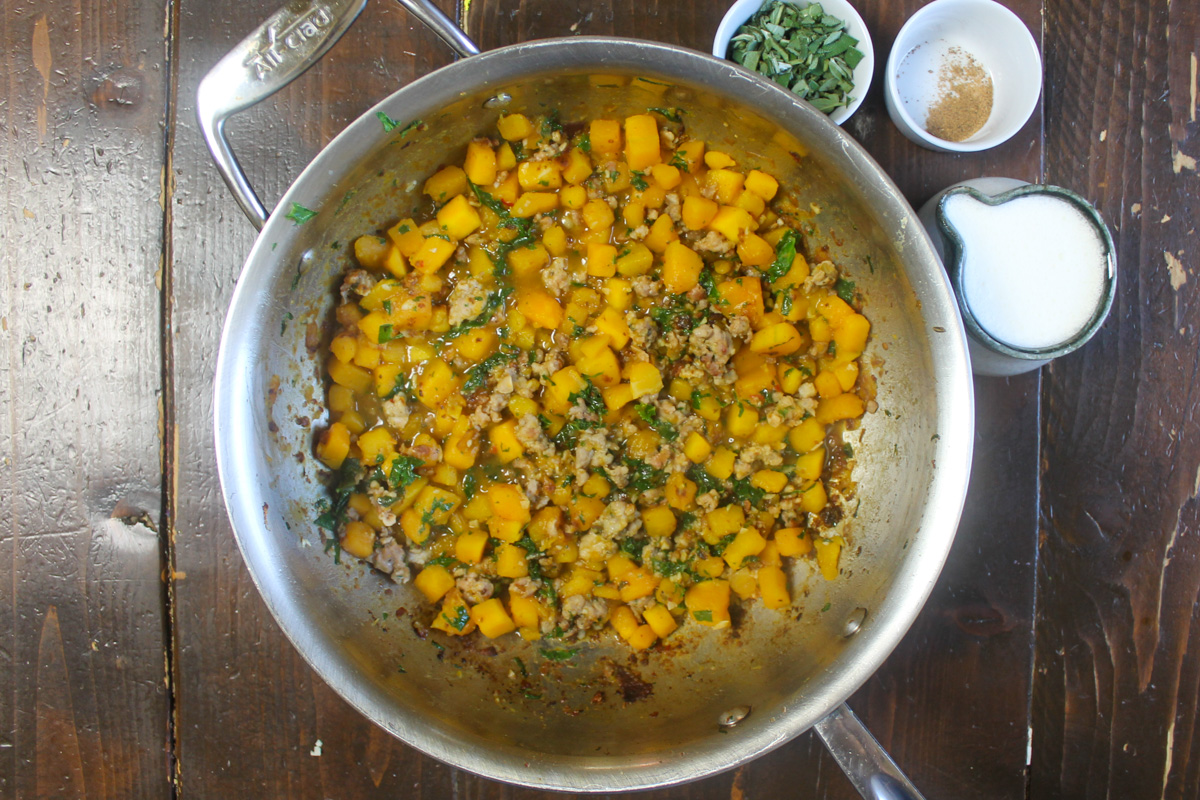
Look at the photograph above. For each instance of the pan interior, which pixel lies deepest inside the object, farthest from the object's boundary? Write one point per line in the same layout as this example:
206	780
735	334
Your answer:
601	720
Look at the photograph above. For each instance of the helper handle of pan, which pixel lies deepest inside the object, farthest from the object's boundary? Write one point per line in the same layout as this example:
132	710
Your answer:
865	762
277	52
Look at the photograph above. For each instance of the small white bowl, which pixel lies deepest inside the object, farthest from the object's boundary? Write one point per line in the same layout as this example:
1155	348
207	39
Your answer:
742	10
995	37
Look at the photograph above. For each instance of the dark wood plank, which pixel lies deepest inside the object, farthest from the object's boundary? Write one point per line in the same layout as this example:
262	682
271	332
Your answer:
84	710
1117	669
249	710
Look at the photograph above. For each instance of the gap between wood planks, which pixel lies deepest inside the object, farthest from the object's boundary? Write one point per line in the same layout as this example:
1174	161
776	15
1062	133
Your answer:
169	435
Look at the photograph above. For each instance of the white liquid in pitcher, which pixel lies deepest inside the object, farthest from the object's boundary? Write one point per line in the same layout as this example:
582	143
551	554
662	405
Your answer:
1033	268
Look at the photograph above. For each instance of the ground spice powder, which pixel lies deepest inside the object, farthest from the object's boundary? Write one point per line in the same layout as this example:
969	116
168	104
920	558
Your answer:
964	100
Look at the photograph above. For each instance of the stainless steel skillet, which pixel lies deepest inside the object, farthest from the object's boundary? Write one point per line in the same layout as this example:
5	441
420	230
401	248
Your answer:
711	701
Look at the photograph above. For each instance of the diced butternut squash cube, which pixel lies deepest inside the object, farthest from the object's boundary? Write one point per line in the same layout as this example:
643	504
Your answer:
445	183
761	184
354	378
376	445
433	582
740	420
741	295
720	466
696	448
538	176
555	240
504	441
792	542
612	322
617	396
532	203
458	219
772	585
584	511
638	259
814	498
469	547
573	197
528	261
506	159
708	603
455	617
461	449
480	163
680	492
508	502
605	136
726	182
754	251
828	552
748	542
698	212
661	234
659	521
491	617
681	267
641	141
769	480
514	127
733	223
370	251
637	583
666	176
436	383
780	339
526	613
579	167
358	539
644	379
540	308
724	521
334	445
715	159
511	561
597	215
827	384
844	406
601	368
432	255
660	620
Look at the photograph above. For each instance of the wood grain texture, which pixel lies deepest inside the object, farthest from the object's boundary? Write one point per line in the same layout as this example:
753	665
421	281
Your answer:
84	706
249	710
1118	675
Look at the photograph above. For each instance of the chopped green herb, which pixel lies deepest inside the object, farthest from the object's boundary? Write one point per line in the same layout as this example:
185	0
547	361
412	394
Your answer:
801	49
827	606
470	485
385	333
283	325
568	436
560	654
744	491
410	127
679	162
674	316
347	478
585	142
672	114
633	547
703	615
845	289
785	254
642	476
709	282
404	471
521	666
638	179
299	214
697	398
649	414
591	398
705	482
460	619
389	124
551	124
785	304
448	562
847	450
669	569
477	375
494	301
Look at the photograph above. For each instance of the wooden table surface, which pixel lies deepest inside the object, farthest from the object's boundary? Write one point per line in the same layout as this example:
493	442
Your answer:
137	660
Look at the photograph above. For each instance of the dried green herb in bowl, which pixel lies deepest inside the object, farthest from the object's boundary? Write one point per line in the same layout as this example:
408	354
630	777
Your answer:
802	48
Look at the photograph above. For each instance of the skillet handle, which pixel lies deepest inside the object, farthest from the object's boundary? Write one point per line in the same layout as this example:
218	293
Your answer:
278	51
865	762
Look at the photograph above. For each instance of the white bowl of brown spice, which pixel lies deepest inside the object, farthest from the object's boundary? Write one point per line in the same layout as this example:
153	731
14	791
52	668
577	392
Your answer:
962	76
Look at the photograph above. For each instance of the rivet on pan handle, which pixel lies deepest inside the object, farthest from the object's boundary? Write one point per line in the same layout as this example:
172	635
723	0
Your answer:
866	764
276	53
